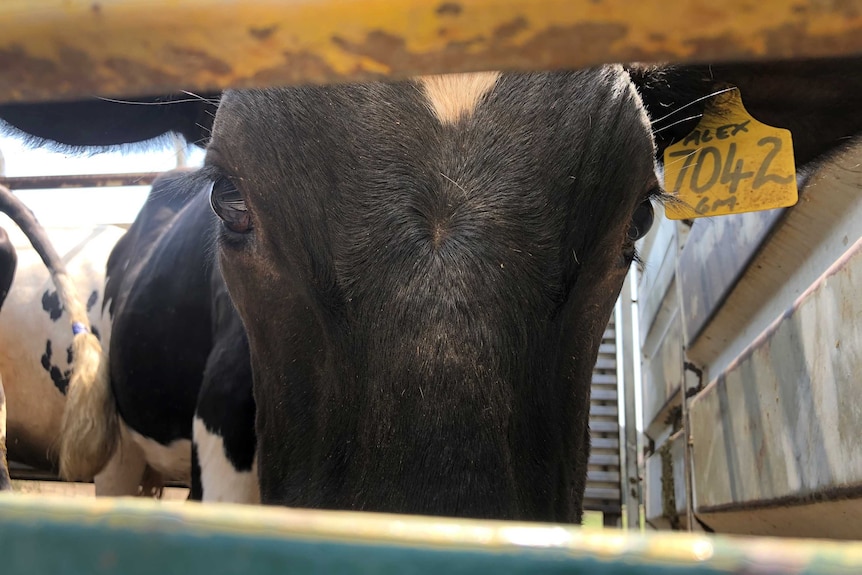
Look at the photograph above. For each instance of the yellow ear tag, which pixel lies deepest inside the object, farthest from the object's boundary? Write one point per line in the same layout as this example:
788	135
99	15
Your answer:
730	164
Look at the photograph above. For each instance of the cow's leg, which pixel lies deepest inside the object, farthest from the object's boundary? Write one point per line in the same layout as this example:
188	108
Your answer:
220	479
5	481
125	470
196	491
223	428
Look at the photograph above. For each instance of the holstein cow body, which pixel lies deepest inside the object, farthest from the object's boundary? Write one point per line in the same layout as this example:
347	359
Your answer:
424	270
174	331
21	375
35	339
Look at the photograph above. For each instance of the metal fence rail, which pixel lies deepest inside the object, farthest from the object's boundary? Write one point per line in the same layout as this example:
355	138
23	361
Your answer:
43	535
55	49
79	181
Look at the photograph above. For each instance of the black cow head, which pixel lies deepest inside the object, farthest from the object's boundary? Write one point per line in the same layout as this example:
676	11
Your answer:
425	270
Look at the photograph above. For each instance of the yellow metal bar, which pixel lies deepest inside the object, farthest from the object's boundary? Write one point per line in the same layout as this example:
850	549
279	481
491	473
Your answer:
54	49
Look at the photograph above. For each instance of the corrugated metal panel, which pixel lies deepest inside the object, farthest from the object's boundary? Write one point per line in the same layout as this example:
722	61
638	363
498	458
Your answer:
718	252
659	265
603	476
780	427
800	248
662	367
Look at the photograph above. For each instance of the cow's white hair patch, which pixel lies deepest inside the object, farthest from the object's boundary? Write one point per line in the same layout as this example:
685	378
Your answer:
173	461
455	96
220	480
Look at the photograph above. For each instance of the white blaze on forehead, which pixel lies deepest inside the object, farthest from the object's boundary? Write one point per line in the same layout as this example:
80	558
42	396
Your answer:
455	96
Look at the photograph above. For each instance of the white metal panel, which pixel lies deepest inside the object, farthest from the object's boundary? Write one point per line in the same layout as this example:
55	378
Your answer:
781	426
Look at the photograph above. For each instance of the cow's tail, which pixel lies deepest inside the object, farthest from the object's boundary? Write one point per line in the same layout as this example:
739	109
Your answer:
90	427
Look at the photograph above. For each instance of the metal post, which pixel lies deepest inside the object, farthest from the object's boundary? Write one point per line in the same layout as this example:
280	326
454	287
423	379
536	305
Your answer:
686	425
631	485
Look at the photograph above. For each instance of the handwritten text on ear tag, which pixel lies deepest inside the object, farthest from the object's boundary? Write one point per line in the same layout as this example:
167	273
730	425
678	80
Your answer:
730	164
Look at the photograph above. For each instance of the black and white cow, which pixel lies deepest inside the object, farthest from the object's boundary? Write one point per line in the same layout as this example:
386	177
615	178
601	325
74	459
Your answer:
424	270
82	354
35	340
176	339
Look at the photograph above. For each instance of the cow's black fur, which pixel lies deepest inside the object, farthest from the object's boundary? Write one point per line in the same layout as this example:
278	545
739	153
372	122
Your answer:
416	314
424	301
159	288
109	122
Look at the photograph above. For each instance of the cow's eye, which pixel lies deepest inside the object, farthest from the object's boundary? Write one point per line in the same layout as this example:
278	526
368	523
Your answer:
228	204
641	221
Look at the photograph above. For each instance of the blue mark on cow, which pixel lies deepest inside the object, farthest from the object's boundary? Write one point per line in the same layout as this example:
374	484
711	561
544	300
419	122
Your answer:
51	304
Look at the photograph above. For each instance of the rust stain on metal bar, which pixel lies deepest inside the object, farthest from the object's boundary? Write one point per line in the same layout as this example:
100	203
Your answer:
56	49
79	181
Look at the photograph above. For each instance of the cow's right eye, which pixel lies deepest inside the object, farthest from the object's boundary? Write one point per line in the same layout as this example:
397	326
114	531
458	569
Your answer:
228	204
641	221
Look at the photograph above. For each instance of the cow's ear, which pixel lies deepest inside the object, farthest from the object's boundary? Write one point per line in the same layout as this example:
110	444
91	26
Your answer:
817	100
674	100
107	123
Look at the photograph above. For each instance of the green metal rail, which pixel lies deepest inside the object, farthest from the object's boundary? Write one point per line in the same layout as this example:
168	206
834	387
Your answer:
129	537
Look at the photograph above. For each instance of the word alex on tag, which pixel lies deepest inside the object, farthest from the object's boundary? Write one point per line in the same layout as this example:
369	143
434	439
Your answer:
730	164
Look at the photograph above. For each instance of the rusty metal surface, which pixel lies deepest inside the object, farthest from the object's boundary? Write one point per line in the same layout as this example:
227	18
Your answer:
55	49
79	181
665	503
780	426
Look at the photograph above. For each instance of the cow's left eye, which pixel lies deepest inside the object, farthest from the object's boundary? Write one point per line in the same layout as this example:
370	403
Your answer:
641	221
228	204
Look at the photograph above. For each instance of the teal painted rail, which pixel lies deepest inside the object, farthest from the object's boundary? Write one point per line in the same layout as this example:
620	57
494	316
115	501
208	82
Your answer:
125	536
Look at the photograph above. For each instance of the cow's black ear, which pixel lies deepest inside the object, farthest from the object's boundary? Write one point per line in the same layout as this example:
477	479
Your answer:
105	123
674	98
817	100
